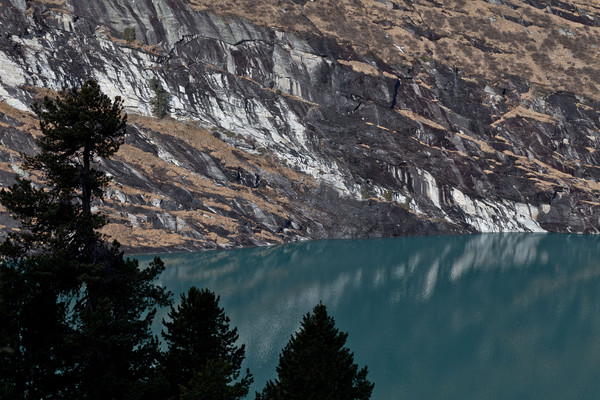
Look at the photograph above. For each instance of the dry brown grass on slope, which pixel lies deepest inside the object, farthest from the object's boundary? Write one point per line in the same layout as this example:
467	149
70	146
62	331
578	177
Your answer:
213	196
479	38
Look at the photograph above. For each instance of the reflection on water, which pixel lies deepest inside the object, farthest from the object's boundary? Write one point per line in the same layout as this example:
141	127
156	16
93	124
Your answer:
481	317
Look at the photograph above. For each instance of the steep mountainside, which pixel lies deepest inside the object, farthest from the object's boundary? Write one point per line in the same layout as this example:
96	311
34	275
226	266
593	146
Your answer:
293	120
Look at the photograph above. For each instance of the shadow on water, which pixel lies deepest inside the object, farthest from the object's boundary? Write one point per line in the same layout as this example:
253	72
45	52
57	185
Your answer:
482	317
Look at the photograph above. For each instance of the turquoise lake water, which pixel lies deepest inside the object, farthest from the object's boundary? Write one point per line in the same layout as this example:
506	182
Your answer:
500	316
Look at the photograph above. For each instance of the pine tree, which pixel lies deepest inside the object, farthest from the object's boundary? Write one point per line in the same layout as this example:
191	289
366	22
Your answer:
315	365
160	101
129	34
79	128
32	331
78	313
215	381
202	360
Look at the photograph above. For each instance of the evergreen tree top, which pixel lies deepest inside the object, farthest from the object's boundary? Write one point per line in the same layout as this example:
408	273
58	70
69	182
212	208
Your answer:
81	120
202	352
79	127
316	365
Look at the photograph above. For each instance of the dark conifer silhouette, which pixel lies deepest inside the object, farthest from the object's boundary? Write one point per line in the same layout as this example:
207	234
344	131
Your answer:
315	365
77	313
203	361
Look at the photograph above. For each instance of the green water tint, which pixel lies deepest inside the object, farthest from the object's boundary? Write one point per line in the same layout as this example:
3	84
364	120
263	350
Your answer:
508	316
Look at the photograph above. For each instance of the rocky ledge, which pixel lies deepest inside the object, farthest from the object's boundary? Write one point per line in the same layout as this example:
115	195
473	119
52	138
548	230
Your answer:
303	127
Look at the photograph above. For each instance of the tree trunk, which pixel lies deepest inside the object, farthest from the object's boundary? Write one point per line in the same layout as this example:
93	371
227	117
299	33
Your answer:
86	195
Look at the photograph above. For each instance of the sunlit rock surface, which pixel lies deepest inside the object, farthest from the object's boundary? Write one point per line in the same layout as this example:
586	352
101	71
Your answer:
302	120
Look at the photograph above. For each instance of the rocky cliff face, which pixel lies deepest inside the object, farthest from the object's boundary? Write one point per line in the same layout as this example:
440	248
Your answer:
293	120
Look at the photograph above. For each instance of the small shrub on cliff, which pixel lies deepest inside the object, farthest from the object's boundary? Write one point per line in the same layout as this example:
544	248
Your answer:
160	101
387	195
406	204
129	34
365	193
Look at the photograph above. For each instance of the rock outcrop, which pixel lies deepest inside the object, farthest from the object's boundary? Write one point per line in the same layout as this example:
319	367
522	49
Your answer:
295	120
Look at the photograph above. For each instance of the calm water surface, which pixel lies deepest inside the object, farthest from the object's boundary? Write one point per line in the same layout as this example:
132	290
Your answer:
510	316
